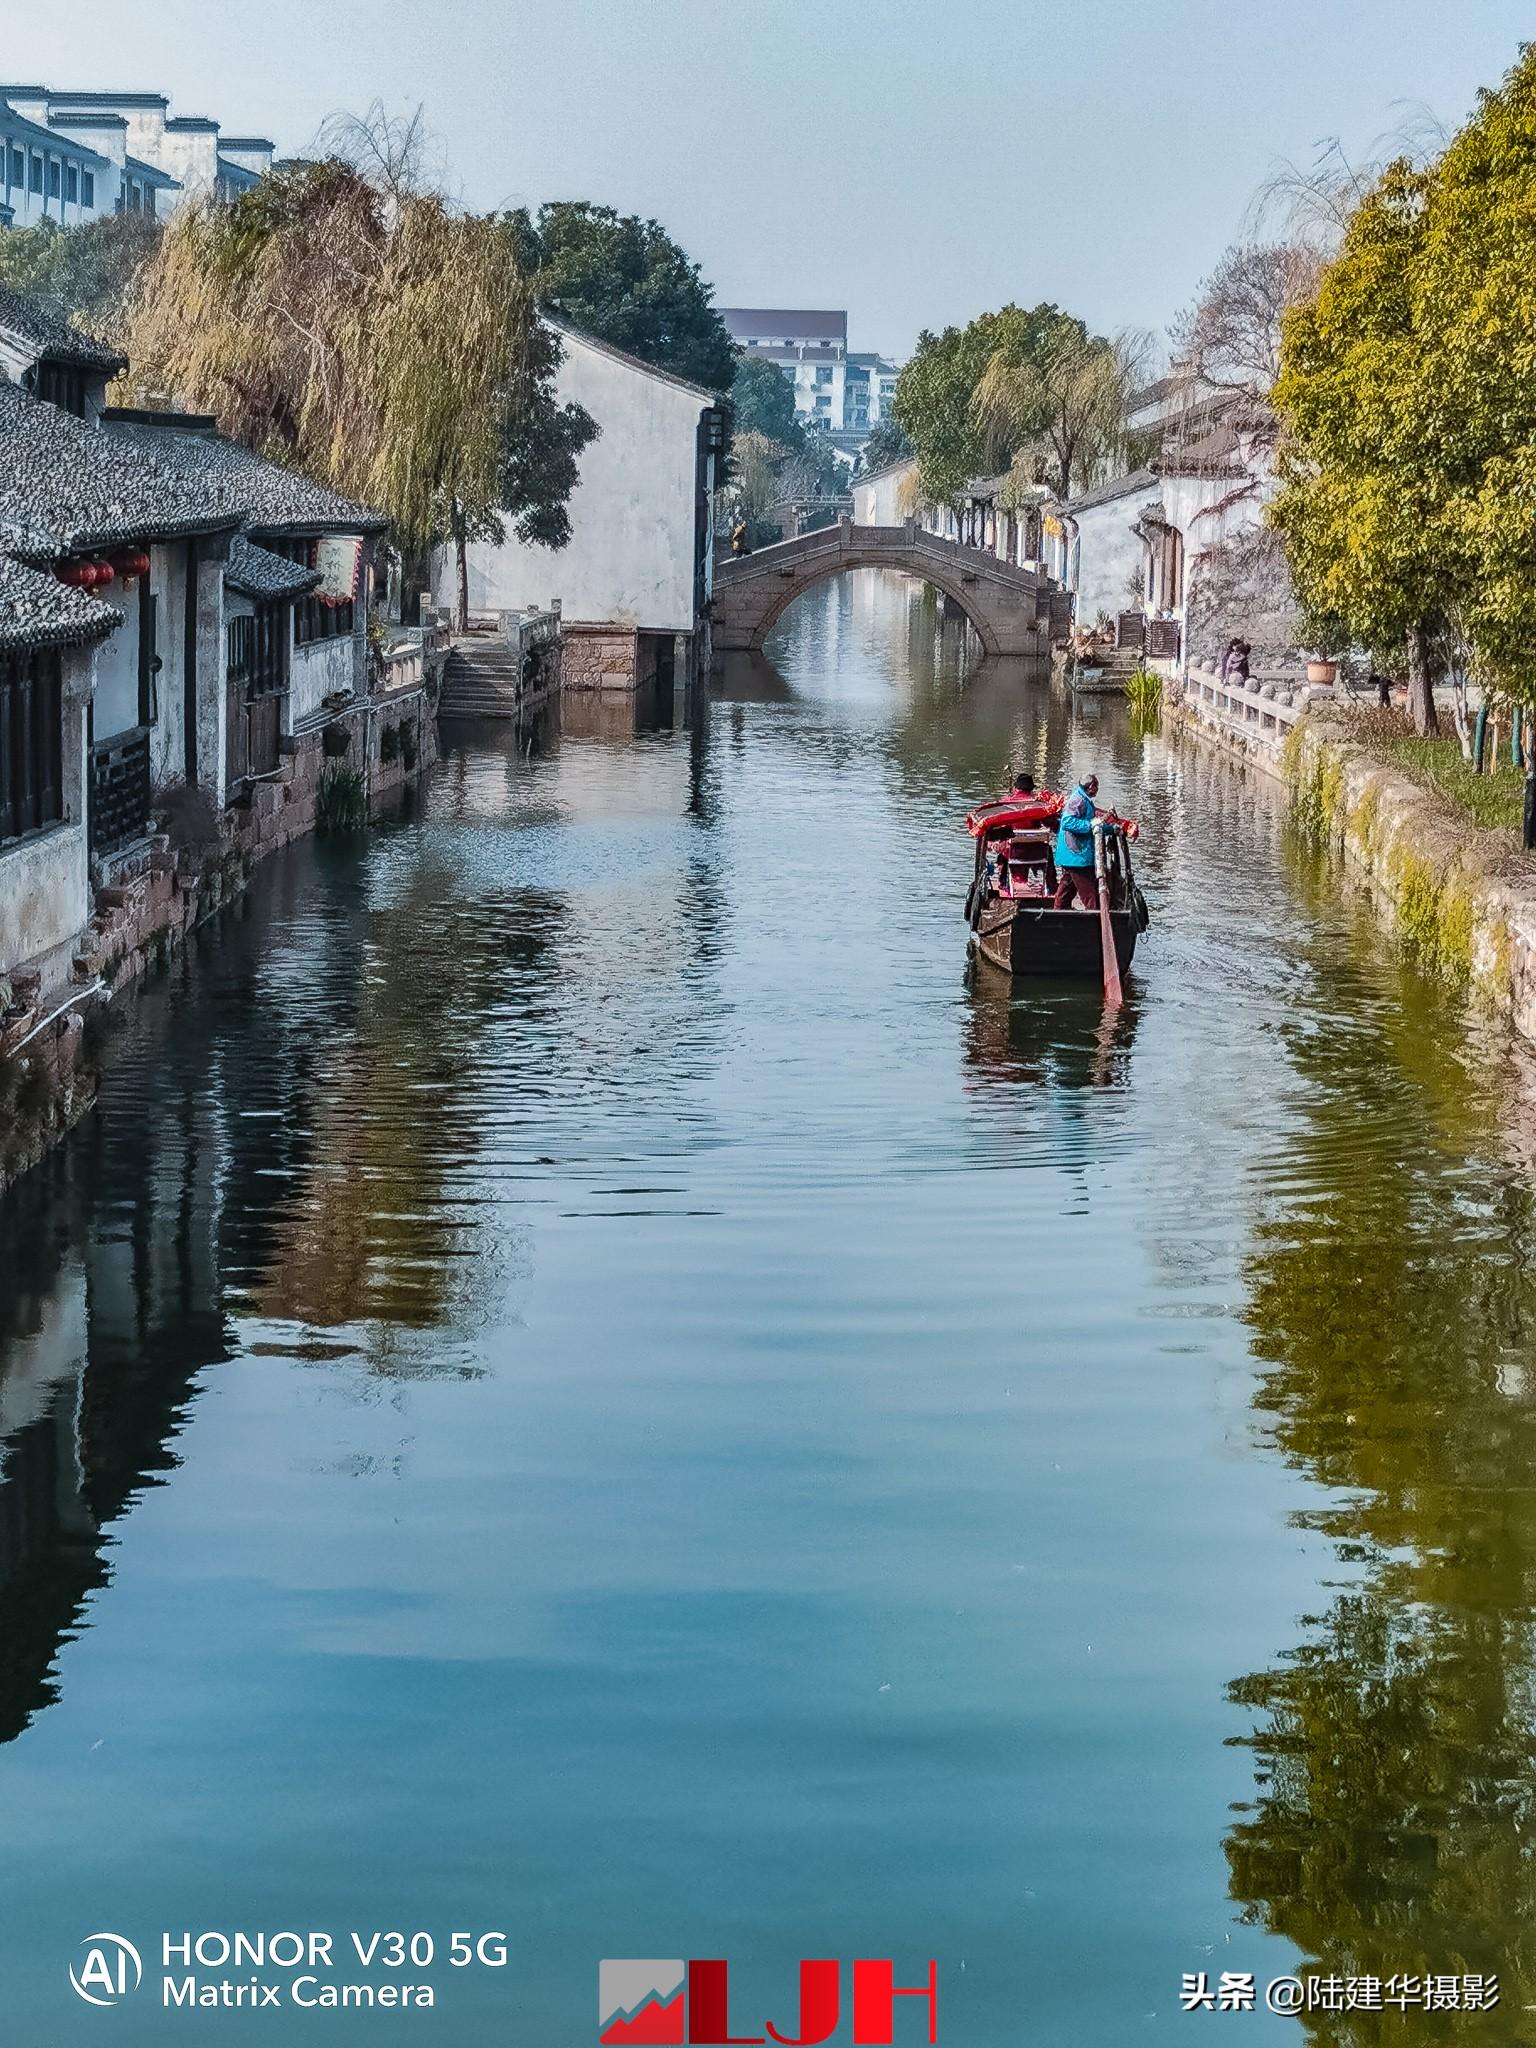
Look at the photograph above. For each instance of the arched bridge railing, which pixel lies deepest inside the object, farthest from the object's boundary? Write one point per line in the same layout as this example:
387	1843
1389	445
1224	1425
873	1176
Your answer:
1009	607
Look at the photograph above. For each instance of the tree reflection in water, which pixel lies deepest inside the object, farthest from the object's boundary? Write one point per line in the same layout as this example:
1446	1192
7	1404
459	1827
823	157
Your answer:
1392	1298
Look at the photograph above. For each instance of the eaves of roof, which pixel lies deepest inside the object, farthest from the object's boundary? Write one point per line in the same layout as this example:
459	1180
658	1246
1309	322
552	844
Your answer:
572	332
36	610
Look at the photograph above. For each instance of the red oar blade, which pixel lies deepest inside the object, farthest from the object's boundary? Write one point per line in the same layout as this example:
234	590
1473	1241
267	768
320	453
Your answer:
1113	994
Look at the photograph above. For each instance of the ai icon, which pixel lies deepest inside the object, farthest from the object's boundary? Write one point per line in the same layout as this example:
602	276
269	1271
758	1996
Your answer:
103	1978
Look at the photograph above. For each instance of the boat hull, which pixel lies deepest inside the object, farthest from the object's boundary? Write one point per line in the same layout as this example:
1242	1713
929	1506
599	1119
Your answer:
1025	938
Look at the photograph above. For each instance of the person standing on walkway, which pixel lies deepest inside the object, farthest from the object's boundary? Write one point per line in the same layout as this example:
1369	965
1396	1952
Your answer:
1074	849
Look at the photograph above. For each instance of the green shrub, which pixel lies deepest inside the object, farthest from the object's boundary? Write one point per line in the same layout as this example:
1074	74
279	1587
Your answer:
1144	692
341	803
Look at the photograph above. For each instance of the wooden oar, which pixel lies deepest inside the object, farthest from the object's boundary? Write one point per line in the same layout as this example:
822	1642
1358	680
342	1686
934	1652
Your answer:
1112	991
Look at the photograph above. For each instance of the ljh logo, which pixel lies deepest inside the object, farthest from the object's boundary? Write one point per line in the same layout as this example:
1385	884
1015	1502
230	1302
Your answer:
664	2004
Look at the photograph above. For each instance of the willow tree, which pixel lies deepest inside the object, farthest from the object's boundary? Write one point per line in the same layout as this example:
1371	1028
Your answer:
937	386
375	340
1059	403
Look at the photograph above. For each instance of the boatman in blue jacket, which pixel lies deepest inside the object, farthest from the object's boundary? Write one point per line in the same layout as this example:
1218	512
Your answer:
1074	848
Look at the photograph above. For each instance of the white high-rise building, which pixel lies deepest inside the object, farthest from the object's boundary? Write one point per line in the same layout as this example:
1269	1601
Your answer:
75	156
836	392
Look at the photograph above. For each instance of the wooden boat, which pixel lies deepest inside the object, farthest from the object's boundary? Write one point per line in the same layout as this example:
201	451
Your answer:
1009	907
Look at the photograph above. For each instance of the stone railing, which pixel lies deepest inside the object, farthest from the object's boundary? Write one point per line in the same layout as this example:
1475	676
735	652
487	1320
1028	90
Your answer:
1254	716
534	626
401	666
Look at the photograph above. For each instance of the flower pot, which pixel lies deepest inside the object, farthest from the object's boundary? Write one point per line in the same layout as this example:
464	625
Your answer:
1322	671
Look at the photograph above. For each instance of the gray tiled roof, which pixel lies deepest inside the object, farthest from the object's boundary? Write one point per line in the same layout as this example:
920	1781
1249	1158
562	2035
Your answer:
272	500
1106	494
38	611
66	487
51	336
257	572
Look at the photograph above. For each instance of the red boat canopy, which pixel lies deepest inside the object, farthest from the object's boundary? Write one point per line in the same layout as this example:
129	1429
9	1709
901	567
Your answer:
1015	815
1032	814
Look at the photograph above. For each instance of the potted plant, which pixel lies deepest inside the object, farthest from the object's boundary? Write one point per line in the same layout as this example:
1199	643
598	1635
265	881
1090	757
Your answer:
1327	638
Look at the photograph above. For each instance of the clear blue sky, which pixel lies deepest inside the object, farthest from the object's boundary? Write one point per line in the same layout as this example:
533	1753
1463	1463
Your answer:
916	161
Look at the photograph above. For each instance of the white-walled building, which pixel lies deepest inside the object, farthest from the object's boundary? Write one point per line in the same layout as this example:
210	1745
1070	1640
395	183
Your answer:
870	392
810	348
61	175
1134	544
76	156
886	497
836	392
637	574
174	611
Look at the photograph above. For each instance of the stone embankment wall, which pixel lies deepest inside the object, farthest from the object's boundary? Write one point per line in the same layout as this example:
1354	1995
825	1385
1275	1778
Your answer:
49	1043
1462	901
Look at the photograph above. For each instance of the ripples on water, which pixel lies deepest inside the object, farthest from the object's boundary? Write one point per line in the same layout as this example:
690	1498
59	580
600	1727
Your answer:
585	1377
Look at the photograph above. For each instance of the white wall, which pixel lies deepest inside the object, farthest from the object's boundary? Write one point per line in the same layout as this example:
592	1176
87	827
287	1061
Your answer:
1110	553
879	502
315	672
45	892
631	556
117	669
190	155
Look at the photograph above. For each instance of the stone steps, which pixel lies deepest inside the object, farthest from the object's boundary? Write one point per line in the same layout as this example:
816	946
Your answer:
482	682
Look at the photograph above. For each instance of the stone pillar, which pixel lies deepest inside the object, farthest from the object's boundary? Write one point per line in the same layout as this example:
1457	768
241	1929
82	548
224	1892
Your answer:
212	766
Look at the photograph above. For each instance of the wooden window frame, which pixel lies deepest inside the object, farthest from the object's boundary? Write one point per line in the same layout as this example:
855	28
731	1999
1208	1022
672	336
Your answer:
314	621
31	743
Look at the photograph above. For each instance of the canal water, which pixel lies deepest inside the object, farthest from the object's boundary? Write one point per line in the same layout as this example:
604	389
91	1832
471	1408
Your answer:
584	1381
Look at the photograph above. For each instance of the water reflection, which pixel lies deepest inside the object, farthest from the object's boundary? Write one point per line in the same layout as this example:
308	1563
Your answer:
1045	1034
1392	1298
577	1323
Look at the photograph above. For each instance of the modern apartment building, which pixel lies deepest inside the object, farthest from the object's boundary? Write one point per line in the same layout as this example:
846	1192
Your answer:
836	392
74	156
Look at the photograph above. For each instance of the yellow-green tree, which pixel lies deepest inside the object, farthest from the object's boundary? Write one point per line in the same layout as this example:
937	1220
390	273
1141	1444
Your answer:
1408	395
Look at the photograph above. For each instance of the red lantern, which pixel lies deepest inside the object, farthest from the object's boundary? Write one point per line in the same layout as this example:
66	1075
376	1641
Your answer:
130	562
77	574
102	572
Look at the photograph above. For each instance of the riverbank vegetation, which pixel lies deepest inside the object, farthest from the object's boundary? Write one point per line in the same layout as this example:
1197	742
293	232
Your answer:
1408	405
84	273
1022	387
1493	800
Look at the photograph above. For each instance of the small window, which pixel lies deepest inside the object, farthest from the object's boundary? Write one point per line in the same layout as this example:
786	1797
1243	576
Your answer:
60	384
31	743
72	181
55	169
87	188
35	182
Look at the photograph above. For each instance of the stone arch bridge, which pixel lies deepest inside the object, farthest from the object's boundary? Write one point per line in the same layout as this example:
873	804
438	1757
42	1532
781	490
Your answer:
1009	607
